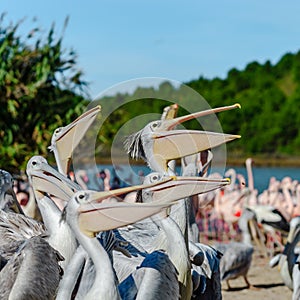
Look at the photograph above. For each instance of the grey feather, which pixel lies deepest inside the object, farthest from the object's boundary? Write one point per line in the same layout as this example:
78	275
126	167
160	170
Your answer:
27	276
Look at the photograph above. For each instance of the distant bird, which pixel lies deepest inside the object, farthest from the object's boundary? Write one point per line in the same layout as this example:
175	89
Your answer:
268	216
250	230
66	139
288	260
157	144
82	179
8	199
235	262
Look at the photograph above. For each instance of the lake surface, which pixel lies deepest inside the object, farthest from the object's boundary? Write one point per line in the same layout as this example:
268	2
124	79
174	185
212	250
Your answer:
131	175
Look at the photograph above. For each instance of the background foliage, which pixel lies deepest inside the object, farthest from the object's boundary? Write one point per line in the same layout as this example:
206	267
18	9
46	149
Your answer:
41	88
269	121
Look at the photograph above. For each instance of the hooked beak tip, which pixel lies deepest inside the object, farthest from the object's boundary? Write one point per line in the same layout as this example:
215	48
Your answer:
237	105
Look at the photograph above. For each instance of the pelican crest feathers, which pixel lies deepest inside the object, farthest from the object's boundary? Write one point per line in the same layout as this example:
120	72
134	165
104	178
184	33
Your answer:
134	145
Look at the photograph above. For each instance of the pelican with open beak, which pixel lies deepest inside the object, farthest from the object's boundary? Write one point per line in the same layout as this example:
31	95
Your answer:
45	179
157	143
94	214
65	139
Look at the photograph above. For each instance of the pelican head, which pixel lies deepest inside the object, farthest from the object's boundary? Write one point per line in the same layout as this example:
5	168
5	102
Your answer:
8	199
65	139
157	143
178	188
45	179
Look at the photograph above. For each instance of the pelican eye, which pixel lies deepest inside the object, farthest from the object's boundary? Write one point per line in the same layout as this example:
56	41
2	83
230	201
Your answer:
154	125
155	178
57	130
34	163
82	197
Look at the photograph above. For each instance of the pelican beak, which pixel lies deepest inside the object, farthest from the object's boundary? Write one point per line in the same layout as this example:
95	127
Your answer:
96	216
107	216
67	138
103	195
174	144
170	112
183	187
48	180
169	124
47	183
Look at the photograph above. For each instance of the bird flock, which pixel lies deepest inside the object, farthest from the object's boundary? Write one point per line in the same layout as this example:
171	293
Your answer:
92	244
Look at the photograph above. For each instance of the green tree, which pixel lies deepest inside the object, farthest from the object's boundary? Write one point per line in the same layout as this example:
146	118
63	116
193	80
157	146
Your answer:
41	88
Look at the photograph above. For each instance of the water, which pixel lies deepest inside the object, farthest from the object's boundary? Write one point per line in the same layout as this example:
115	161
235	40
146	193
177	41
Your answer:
131	175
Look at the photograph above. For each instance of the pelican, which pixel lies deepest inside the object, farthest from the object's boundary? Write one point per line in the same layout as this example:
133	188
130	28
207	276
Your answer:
23	250
32	272
164	190
151	238
269	216
14	227
65	139
250	229
87	215
153	144
112	215
47	181
8	200
288	261
236	261
157	144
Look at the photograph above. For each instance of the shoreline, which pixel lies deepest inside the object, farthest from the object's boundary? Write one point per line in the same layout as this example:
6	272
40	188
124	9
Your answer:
258	161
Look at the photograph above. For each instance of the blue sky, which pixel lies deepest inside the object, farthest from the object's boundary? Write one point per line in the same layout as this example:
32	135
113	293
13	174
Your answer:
179	40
